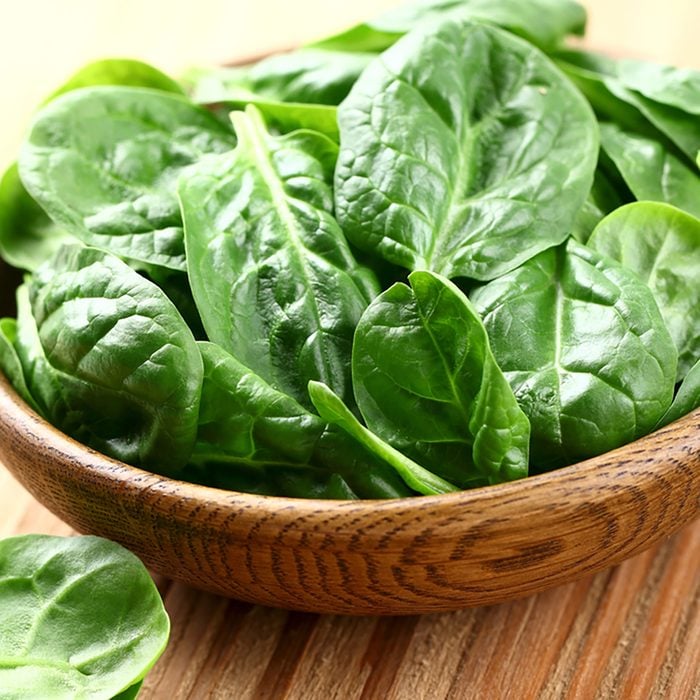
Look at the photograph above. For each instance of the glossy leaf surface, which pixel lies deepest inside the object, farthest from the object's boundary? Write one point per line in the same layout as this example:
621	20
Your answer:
650	170
272	274
110	361
251	434
80	619
584	347
427	383
331	408
687	398
661	244
104	161
10	364
463	151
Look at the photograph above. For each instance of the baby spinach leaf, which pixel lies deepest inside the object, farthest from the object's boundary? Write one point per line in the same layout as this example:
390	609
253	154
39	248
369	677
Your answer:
273	277
79	618
605	196
650	170
109	359
332	409
662	245
678	87
103	162
10	364
27	235
427	383
463	151
119	71
543	22
248	430
582	343
686	400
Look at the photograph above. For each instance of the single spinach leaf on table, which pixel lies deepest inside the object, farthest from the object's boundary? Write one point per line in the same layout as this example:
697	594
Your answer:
584	346
687	398
650	170
273	277
427	383
463	150
10	364
543	22
103	162
661	244
331	408
79	618
109	359
253	437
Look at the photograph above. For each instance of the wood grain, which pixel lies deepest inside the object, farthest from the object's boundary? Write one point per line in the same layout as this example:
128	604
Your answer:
630	632
401	556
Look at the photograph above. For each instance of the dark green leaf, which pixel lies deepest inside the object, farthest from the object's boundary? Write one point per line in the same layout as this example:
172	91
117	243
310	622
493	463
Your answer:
104	161
271	272
687	399
427	383
109	359
662	245
79	618
10	364
584	347
650	170
463	151
332	409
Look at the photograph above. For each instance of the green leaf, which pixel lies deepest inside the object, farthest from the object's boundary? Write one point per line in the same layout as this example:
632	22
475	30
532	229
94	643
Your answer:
109	359
661	244
582	343
650	170
605	196
332	409
10	363
543	22
118	71
27	235
686	400
463	151
80	618
252	437
677	87
273	277
104	161
426	382
130	693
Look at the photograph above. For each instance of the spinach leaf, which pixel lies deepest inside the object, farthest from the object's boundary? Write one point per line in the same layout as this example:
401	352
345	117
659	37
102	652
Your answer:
605	196
427	383
662	245
678	87
582	343
331	408
119	71
650	170
687	398
10	364
250	433
79	618
103	162
27	235
273	277
463	150
109	359
543	22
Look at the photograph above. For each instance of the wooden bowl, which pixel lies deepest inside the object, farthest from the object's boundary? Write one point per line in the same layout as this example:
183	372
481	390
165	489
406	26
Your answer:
403	556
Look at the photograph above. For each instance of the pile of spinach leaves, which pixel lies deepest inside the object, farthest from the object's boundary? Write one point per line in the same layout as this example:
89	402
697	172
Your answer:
406	259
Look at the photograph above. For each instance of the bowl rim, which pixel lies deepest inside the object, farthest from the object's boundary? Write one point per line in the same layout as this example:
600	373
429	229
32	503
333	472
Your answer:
13	409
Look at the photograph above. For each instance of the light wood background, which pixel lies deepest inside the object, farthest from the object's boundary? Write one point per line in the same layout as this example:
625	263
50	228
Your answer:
631	632
43	41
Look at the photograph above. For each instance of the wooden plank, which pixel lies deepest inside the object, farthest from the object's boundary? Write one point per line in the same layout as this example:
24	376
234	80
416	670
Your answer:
632	632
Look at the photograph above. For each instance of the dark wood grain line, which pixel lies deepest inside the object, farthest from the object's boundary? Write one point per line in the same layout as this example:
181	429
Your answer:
385	653
290	649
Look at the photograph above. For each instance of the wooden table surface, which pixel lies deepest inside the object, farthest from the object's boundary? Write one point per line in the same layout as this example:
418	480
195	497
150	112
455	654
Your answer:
631	632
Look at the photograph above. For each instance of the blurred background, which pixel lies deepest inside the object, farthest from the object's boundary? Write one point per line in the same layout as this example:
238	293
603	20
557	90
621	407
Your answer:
43	41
